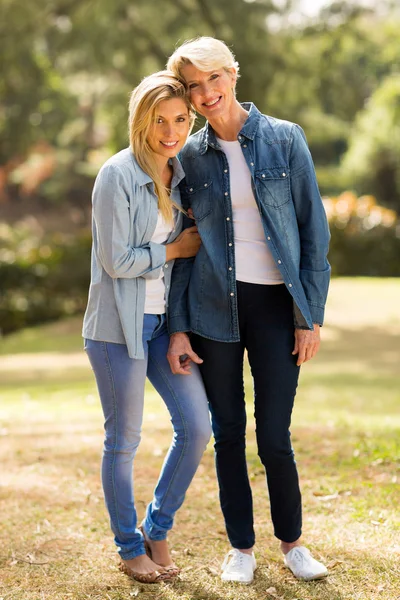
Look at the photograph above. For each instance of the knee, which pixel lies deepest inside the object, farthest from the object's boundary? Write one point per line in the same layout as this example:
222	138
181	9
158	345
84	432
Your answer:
126	443
276	457
196	434
229	436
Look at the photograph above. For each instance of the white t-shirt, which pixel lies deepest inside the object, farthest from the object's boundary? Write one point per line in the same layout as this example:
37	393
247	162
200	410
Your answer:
253	259
155	288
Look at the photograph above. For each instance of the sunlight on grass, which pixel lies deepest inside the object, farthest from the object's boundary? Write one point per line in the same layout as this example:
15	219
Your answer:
346	425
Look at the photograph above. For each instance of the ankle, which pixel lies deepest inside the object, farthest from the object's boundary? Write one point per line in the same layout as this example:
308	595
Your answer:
288	546
246	550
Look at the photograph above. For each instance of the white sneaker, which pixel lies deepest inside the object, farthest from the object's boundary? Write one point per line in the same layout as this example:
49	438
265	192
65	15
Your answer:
238	566
303	565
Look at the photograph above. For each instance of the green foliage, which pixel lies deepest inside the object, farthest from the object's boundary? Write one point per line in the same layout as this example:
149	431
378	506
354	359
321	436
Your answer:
43	277
67	70
373	159
365	237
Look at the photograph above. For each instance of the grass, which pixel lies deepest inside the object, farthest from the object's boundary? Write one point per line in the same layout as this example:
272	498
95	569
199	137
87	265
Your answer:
54	533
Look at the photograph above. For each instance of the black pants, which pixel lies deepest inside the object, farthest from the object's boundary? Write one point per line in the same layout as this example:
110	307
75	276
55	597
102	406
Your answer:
267	332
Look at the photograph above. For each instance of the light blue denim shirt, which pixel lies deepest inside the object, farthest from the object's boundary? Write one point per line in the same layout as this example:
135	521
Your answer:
124	218
203	289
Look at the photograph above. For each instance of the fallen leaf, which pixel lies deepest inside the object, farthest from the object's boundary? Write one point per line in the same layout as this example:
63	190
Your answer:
272	592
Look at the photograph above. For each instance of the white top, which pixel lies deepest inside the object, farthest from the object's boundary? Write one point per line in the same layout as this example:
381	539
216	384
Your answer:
253	259
155	288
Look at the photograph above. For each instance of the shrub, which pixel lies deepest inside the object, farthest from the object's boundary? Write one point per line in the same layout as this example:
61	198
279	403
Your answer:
43	277
365	237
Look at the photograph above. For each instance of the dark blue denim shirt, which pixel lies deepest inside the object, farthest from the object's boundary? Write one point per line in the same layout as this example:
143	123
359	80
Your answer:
203	289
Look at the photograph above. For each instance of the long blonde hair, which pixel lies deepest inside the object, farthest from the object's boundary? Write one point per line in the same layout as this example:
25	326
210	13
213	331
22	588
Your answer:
142	110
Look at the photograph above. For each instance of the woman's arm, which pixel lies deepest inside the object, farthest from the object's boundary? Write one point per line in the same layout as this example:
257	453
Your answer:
313	226
112	223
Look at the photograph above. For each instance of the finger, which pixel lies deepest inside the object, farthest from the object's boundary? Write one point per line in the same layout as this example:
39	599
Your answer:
174	363
183	371
186	362
195	357
302	355
190	214
296	346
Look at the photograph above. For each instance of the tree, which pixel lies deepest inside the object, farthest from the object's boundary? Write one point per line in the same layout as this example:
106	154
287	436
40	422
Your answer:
373	159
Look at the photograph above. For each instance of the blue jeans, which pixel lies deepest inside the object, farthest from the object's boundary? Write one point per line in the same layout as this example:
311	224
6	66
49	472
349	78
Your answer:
121	382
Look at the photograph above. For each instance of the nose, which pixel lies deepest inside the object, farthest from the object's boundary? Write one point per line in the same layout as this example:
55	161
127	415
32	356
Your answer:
169	129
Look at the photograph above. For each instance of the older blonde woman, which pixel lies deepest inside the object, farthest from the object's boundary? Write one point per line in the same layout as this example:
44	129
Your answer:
259	282
137	222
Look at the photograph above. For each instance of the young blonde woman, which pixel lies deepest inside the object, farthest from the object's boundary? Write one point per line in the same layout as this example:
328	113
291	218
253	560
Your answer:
259	283
137	222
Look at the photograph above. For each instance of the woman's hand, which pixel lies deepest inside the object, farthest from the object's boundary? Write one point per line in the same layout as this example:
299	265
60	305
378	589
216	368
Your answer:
306	344
187	244
180	354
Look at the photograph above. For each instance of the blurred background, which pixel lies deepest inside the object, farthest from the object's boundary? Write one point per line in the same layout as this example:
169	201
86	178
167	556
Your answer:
68	67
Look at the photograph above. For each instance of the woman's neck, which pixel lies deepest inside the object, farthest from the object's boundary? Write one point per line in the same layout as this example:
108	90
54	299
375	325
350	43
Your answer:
228	127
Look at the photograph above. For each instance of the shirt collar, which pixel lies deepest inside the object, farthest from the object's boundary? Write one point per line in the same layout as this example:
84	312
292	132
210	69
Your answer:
143	178
178	174
248	130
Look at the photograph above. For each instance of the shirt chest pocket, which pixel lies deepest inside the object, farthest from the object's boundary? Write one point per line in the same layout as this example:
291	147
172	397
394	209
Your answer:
273	185
199	198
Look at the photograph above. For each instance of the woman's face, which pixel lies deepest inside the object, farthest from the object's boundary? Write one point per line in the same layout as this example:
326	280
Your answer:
170	128
210	92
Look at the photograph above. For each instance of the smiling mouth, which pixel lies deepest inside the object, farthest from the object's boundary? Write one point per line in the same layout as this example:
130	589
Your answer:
169	144
212	103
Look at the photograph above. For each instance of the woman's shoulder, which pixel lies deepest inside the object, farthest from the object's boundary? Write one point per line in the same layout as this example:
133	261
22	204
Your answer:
278	127
120	161
123	166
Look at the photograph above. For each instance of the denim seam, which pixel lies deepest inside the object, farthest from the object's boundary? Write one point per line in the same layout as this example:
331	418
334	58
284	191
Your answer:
184	425
111	379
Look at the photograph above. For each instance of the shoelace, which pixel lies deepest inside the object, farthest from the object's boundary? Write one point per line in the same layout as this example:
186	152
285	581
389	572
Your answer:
300	557
237	559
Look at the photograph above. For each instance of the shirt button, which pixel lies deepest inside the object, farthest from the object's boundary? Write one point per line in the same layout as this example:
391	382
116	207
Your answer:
191	190
263	175
165	266
226	194
279	262
290	285
205	185
244	145
227	218
268	238
283	174
230	269
230	244
252	164
225	170
232	294
239	138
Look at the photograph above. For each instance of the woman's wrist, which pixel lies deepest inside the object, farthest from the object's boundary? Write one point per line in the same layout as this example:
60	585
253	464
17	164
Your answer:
172	251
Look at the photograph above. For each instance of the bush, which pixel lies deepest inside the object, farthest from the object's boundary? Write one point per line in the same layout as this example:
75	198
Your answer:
43	277
46	276
365	237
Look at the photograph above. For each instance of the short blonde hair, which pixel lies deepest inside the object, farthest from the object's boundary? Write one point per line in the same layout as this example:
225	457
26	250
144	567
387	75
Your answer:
205	53
142	111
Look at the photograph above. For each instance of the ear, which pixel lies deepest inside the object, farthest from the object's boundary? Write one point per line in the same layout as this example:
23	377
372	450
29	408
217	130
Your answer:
233	75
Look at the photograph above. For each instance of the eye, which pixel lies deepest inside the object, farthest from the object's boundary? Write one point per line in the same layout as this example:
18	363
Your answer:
192	86
214	76
159	120
181	119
